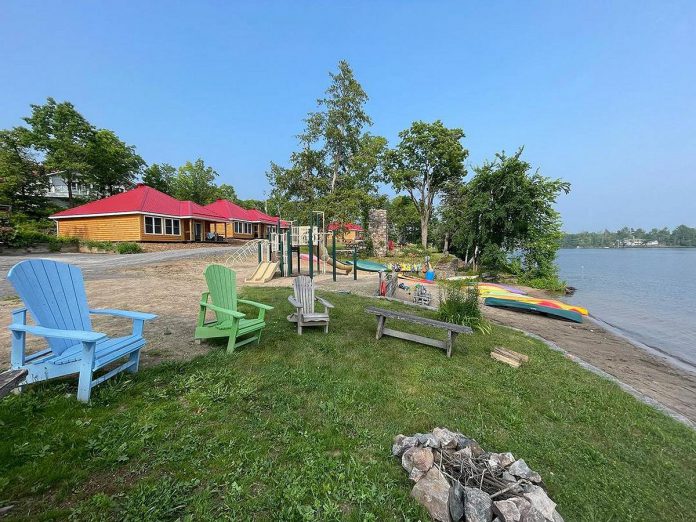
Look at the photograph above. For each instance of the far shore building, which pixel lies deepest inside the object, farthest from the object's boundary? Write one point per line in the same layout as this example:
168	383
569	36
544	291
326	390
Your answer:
347	232
148	215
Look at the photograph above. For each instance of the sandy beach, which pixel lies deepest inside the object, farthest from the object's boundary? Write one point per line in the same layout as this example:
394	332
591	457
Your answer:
172	290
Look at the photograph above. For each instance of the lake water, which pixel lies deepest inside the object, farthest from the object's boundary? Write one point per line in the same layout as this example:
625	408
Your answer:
649	294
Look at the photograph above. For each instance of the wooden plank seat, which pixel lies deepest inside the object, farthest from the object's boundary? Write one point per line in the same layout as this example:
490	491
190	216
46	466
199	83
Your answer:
452	329
10	380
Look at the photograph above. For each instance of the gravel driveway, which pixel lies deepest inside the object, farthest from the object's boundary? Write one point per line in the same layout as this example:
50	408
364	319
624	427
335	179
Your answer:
95	265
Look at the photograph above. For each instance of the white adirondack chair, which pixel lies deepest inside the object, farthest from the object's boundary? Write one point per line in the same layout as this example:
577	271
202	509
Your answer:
303	301
54	295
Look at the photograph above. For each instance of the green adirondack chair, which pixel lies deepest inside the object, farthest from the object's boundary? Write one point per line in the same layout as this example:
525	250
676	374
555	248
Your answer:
222	294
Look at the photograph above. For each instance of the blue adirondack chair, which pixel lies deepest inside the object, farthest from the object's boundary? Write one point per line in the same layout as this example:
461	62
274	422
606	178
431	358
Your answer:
54	296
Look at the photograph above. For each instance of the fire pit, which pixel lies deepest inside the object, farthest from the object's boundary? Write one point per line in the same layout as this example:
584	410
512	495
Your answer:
456	480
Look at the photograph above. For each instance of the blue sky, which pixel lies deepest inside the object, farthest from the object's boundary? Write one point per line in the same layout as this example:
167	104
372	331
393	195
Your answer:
602	94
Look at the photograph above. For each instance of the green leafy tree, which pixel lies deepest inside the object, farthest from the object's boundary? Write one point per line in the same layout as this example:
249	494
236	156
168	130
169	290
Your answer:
252	203
63	135
404	220
507	212
225	191
196	182
337	165
428	157
113	165
160	176
23	181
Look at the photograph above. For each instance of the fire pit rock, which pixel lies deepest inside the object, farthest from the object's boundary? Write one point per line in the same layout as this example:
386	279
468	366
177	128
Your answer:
457	481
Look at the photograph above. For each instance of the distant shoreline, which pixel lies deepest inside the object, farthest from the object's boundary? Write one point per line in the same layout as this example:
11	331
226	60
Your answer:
623	247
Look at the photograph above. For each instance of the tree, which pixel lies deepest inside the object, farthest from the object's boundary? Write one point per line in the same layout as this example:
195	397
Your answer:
404	220
507	212
336	167
23	181
225	191
428	157
63	135
196	182
160	176
113	165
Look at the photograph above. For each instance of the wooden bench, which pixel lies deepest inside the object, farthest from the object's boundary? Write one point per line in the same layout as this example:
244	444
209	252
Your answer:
10	379
452	329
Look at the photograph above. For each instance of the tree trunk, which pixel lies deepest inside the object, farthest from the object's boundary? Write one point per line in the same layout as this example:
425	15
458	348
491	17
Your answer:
424	231
445	248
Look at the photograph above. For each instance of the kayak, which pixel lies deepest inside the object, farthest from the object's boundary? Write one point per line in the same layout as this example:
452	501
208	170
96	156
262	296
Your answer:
369	266
543	306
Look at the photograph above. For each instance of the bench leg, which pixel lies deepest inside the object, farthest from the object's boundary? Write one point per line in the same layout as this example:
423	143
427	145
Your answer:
380	326
451	336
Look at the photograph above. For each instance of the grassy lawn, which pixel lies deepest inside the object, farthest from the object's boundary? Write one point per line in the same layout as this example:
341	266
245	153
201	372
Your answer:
301	428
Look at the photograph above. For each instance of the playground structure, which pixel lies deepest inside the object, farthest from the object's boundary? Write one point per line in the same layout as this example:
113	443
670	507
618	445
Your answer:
297	250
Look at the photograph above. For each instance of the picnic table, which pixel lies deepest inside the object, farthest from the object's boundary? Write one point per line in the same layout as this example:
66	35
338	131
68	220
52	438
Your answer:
452	329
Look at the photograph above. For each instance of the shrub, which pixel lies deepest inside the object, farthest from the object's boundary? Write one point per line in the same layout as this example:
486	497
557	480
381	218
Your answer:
128	248
459	304
100	245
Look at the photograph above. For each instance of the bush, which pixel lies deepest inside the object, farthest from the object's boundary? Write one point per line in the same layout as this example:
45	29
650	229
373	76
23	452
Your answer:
100	245
459	304
128	248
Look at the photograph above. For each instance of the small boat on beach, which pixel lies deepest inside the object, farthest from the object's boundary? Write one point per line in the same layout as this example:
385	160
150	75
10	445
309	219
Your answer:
505	296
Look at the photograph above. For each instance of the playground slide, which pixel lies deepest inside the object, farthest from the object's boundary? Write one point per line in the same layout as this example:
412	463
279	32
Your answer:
264	273
339	266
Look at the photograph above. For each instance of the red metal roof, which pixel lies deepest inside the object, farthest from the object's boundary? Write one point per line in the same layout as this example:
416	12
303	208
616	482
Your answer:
141	200
345	226
232	211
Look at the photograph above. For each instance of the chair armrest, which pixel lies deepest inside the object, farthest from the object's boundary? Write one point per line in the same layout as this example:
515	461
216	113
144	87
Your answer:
294	302
233	313
324	302
254	303
75	335
124	313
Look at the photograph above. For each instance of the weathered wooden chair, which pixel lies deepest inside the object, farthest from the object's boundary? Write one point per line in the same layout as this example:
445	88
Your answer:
303	301
228	322
54	295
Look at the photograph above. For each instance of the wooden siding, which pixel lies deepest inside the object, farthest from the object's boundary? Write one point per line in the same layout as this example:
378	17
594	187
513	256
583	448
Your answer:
102	228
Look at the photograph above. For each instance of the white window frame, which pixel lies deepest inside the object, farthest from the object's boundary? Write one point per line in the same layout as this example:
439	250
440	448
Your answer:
169	226
154	232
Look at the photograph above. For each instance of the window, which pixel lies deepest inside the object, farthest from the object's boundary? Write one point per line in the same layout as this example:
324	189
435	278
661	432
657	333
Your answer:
172	227
153	225
242	228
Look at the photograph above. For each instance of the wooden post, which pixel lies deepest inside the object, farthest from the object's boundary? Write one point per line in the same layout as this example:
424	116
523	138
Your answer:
380	326
334	255
355	264
311	252
259	249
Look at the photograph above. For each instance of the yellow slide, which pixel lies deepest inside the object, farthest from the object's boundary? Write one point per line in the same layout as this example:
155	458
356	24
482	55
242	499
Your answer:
327	258
264	273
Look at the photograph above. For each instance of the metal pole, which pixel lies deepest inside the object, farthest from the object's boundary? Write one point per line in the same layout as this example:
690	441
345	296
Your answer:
334	255
289	247
355	264
259	245
280	251
311	252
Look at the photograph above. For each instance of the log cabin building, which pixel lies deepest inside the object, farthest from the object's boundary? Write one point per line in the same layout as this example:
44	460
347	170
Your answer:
148	215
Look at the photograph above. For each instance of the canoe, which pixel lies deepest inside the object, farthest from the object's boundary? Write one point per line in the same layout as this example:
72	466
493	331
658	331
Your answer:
534	305
369	266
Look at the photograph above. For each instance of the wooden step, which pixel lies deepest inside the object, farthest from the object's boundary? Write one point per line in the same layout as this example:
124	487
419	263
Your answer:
10	379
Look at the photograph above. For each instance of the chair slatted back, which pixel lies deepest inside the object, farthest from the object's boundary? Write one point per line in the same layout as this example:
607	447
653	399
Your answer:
222	285
54	294
304	292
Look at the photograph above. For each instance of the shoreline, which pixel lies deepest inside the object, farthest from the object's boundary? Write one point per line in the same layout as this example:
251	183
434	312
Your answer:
674	360
637	368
